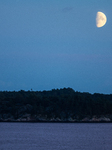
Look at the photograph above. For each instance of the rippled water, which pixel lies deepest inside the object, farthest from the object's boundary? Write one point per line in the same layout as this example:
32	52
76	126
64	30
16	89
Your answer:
55	136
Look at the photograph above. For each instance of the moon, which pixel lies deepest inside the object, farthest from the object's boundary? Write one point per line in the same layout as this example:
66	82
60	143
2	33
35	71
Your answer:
101	19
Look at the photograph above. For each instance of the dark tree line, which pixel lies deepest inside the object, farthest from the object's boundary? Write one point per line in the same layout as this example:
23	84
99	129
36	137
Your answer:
61	103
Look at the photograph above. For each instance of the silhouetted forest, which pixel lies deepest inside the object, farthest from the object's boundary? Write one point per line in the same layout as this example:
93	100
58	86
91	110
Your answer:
57	103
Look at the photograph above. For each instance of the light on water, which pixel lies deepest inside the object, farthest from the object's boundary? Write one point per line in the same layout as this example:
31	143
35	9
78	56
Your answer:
55	136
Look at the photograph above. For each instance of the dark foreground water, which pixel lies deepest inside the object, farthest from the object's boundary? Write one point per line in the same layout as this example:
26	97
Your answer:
55	136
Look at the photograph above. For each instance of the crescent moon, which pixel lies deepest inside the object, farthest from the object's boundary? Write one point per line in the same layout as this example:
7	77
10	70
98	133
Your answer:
101	19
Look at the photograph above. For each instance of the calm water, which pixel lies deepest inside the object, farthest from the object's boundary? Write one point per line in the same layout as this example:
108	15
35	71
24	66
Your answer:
55	136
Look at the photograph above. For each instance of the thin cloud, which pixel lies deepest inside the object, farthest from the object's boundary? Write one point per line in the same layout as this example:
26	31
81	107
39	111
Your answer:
67	9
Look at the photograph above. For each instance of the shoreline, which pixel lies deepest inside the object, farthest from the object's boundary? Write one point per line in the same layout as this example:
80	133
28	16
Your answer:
55	121
43	119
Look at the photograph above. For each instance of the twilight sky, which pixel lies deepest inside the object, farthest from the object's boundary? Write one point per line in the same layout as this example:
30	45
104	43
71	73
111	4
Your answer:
55	44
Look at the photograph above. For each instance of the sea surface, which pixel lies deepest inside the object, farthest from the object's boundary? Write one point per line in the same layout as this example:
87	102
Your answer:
55	136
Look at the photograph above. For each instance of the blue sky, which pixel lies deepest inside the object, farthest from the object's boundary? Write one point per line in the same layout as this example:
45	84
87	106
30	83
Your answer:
55	44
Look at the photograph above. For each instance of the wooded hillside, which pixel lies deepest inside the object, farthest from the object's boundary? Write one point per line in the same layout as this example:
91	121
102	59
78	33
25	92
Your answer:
61	104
